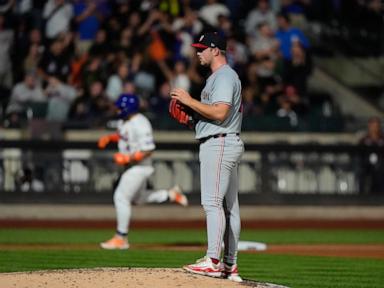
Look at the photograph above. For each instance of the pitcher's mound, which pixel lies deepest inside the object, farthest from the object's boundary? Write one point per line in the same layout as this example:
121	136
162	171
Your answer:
117	278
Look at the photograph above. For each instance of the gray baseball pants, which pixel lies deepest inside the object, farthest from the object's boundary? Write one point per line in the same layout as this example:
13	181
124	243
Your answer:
219	161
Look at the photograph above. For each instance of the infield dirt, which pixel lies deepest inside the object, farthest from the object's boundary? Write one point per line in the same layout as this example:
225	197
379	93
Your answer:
118	278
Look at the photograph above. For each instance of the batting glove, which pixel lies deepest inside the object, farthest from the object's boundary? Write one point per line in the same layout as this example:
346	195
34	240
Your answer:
121	159
104	140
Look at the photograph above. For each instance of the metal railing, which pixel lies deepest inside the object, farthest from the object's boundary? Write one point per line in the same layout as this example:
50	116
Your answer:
273	173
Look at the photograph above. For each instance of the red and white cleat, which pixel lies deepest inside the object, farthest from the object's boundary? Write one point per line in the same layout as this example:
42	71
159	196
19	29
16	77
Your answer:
230	272
204	266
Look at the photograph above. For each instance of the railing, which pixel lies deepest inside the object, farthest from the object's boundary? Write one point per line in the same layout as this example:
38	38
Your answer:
277	173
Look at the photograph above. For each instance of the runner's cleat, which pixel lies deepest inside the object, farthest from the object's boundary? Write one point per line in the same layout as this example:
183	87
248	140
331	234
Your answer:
176	195
115	243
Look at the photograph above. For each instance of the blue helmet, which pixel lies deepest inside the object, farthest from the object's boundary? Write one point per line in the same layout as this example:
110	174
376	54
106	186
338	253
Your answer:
128	104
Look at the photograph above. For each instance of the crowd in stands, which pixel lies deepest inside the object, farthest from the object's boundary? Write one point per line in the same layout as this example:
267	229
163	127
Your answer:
355	27
68	61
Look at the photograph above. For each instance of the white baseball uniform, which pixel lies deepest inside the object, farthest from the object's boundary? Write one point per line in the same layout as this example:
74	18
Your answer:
135	135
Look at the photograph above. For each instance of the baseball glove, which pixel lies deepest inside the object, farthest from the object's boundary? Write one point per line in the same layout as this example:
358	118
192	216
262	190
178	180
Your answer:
181	113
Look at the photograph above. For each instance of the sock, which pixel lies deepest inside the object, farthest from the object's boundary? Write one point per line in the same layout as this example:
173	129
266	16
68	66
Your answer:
228	264
121	234
215	261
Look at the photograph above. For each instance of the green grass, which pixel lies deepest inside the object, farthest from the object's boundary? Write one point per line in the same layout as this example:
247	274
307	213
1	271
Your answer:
309	236
191	236
293	271
290	270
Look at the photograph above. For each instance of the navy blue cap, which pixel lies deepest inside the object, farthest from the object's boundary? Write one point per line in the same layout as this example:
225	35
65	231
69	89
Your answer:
211	40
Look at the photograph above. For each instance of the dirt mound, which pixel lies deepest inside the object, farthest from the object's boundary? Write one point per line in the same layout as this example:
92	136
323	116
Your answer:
117	278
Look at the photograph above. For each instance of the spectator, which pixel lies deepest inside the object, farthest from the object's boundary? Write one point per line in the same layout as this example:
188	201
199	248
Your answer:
100	46
249	107
211	11
159	103
265	45
190	22
266	71
296	9
372	168
260	14
60	98
32	51
80	111
266	101
95	69
177	77
180	77
35	38
224	26
126	45
287	34
143	76
69	45
116	81
186	28
144	34
20	47
250	77
286	110
23	95
88	23
195	72
134	23
93	108
77	65
57	15
122	10
6	40
237	54
160	31
298	103
31	61
234	6
35	13
297	70
55	62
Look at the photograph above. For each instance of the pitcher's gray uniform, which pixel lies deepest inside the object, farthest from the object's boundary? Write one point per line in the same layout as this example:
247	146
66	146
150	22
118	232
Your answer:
218	132
220	151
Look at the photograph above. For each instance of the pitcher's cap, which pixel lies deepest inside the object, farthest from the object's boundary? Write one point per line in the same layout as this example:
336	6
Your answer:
212	40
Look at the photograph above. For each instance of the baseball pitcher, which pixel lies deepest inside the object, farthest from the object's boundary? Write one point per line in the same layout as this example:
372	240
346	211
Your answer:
218	131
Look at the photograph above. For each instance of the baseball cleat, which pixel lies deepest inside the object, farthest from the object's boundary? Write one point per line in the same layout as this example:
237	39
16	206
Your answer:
230	272
115	243
176	195
204	266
